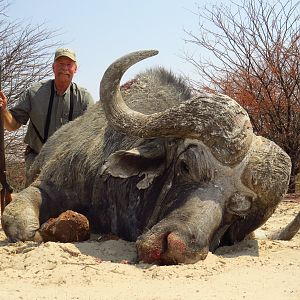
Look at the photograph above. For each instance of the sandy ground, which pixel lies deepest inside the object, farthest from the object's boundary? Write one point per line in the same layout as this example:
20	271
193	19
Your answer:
253	269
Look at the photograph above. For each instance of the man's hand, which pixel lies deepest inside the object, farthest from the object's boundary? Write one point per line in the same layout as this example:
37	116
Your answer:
10	123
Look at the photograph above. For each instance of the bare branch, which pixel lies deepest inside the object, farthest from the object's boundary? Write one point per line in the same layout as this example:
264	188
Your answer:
26	52
254	58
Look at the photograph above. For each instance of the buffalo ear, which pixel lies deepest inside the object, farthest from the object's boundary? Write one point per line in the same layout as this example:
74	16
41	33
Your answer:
146	160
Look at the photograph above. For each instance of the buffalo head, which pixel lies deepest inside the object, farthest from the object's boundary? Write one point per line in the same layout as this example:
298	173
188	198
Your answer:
221	181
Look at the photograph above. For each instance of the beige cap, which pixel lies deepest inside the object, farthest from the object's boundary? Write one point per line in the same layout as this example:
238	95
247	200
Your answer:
65	52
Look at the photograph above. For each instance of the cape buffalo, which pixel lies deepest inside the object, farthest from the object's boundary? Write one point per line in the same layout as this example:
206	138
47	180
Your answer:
179	174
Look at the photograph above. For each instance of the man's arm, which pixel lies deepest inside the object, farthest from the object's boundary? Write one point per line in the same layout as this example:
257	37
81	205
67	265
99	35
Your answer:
10	123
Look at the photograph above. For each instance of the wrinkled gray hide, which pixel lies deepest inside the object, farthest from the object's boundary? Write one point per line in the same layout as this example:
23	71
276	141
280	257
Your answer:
179	174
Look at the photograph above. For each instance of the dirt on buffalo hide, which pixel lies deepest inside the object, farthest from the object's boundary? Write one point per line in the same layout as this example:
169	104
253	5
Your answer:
68	227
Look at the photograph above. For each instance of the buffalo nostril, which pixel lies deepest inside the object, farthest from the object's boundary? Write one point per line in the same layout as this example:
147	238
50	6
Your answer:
181	250
151	249
176	244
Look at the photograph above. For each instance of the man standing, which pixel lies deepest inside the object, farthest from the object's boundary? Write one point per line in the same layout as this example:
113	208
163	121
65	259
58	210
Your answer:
47	105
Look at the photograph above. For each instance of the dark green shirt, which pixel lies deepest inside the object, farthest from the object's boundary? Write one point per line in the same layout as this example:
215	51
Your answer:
33	106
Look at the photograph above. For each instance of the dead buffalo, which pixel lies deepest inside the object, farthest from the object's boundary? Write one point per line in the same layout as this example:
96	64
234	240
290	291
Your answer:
180	175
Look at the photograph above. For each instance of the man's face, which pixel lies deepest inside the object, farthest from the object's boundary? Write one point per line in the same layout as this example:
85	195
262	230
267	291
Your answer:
64	69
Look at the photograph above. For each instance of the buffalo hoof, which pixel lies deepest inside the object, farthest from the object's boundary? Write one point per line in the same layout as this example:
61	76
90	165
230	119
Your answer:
68	227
